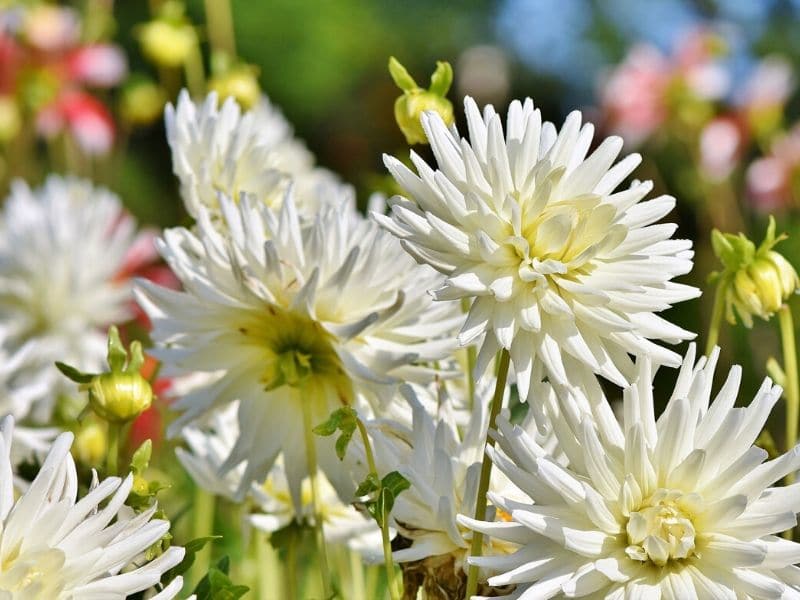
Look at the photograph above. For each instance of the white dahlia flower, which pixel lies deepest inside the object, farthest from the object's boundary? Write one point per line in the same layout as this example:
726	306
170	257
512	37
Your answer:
282	314
442	461
221	149
565	271
56	547
680	507
62	251
271	501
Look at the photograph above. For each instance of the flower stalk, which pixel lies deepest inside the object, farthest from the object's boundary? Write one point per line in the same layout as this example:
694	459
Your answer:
792	390
717	313
486	471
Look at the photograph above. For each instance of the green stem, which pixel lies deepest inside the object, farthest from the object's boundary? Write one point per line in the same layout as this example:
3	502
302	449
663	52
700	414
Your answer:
394	592
311	458
267	568
195	75
219	21
716	316
203	509
472	355
112	460
357	576
790	369
291	562
486	471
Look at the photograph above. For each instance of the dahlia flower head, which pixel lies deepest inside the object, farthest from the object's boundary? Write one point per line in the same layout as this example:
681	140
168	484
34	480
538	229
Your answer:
565	273
223	149
442	461
679	507
273	508
279	312
56	547
63	247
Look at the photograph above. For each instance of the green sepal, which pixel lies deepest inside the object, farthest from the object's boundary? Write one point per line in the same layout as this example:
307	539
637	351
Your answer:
401	76
74	374
442	78
141	458
117	355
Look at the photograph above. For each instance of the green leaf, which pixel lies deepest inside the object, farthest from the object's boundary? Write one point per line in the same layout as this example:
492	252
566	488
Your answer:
342	442
117	356
216	585
73	374
401	76
141	458
395	482
344	420
369	485
442	79
191	548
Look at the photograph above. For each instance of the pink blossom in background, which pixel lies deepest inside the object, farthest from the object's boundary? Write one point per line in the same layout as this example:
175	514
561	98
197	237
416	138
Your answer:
770	84
51	28
769	179
84	116
99	65
721	144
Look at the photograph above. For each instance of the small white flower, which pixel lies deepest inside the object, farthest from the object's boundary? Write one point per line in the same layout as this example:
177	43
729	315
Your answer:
54	547
676	507
62	248
327	313
220	149
566	273
272	501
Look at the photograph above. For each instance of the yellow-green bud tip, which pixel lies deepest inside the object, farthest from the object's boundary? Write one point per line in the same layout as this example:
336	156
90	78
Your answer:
409	107
239	83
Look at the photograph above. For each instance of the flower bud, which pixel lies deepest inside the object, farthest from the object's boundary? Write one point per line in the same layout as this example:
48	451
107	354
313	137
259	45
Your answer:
119	397
755	281
239	83
142	102
409	107
167	43
91	443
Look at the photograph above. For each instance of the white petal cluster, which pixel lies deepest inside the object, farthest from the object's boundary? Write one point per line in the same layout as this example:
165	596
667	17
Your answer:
282	311
679	507
56	547
273	506
566	272
220	149
62	248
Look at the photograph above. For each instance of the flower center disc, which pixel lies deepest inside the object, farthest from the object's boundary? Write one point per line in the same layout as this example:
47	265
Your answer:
661	530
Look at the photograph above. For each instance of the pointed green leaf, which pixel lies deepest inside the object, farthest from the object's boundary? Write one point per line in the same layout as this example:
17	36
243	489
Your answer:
141	458
117	356
395	482
73	373
369	485
137	357
401	76
442	79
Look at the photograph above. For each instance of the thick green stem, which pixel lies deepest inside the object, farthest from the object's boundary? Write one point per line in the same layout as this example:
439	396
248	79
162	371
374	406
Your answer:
311	458
112	460
357	576
394	592
203	509
267	568
219	21
194	72
291	563
486	471
790	369
472	355
716	316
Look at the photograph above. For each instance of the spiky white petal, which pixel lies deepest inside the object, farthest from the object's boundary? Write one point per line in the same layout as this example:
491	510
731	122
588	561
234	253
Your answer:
62	247
220	149
54	547
565	271
682	506
336	293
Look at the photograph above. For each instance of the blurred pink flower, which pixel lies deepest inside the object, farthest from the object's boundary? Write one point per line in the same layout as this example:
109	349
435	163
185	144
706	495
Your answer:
51	28
83	116
770	179
100	65
721	144
770	84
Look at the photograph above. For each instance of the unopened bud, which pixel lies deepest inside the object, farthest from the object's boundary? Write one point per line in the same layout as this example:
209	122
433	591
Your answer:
239	83
757	281
91	443
415	101
120	397
142	102
167	43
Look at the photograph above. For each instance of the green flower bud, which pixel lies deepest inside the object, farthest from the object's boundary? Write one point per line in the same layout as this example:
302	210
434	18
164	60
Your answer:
91	443
755	281
239	83
120	397
415	100
142	102
167	42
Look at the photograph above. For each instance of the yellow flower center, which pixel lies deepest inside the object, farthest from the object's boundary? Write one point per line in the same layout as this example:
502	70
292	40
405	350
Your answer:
662	529
298	352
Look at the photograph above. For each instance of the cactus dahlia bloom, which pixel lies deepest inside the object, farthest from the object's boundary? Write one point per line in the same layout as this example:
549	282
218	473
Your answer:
564	271
54	547
287	318
63	247
679	507
222	149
